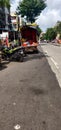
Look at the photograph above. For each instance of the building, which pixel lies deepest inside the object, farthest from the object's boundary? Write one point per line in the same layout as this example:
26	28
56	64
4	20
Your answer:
5	21
2	19
14	20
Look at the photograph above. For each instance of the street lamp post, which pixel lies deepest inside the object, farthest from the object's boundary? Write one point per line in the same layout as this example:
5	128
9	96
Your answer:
19	31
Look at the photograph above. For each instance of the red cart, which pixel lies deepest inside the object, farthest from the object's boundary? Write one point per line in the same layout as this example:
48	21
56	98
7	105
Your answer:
29	38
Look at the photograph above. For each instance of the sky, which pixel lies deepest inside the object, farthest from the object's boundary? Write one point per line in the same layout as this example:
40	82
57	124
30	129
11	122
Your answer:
49	16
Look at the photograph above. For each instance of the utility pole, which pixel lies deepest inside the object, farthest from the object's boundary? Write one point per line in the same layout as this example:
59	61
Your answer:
19	31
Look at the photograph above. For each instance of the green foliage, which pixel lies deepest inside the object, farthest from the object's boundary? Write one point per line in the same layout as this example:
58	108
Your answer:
50	34
39	30
58	28
5	3
31	9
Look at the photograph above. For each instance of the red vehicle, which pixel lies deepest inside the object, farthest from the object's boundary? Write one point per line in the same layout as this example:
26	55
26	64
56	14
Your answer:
29	38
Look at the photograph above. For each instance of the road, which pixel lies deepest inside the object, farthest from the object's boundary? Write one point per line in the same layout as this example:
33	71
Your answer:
30	96
53	53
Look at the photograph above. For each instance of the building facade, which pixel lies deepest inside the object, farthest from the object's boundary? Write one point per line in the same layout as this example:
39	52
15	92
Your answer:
5	19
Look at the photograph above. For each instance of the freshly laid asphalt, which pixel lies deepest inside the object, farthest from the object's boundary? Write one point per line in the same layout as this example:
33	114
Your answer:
30	96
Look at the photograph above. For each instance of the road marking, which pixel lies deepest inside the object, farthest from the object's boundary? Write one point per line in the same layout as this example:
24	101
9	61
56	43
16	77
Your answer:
57	67
55	63
17	127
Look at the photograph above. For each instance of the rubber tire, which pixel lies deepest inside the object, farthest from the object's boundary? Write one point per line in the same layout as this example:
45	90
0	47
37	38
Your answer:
20	59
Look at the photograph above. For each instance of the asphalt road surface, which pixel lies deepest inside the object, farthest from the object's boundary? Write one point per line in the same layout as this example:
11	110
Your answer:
30	96
53	52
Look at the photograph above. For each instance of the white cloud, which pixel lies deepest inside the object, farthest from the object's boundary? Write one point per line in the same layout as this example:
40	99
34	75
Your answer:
14	5
55	4
49	16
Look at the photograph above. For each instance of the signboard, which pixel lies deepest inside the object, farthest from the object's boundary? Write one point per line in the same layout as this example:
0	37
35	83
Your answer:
4	35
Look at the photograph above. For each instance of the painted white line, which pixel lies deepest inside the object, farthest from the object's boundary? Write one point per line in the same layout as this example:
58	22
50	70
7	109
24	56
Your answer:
55	63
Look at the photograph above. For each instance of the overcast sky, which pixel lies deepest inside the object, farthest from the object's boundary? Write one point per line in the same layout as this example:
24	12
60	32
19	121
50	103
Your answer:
49	16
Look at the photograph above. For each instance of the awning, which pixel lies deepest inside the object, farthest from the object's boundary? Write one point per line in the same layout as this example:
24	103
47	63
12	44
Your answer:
3	29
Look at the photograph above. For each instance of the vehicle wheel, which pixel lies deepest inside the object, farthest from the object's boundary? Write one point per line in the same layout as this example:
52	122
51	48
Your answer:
36	51
20	59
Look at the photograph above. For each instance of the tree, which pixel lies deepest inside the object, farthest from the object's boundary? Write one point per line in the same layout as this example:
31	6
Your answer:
39	30
31	9
50	34
5	3
58	28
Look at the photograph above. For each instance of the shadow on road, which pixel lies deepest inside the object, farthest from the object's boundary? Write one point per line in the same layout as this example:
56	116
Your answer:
34	56
3	65
37	91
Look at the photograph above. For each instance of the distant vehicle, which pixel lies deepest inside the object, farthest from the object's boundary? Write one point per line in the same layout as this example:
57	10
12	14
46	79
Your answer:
59	41
53	41
48	41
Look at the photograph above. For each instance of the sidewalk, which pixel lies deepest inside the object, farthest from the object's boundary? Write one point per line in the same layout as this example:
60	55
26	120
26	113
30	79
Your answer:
56	44
45	43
